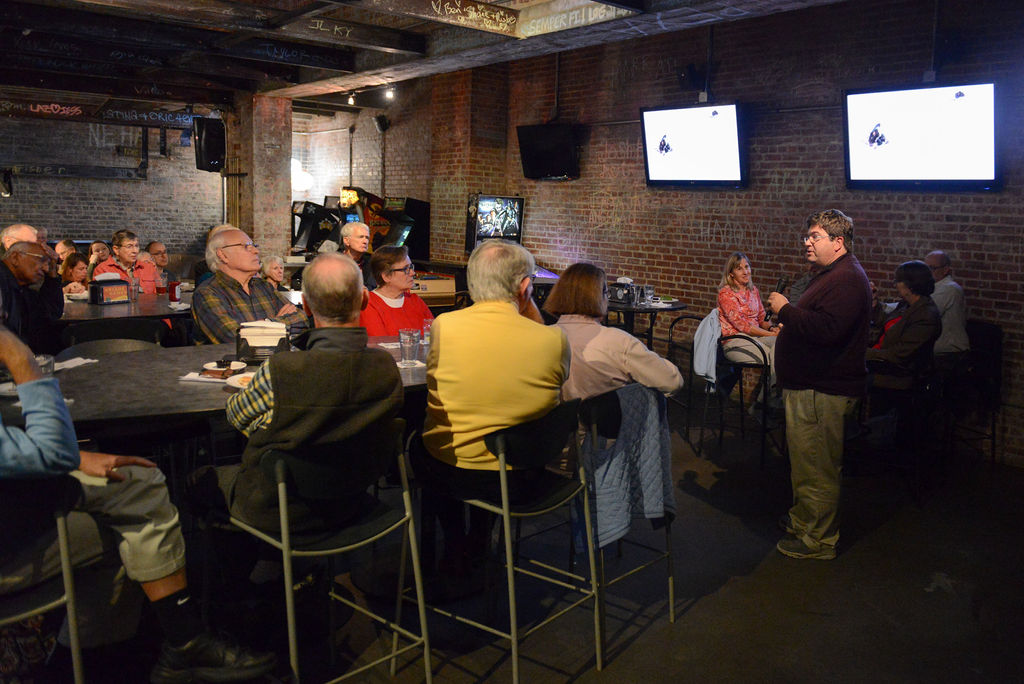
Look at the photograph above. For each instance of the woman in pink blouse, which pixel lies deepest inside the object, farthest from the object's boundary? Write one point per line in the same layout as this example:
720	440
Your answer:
740	311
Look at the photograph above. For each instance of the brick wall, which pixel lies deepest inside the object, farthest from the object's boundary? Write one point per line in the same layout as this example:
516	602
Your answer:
790	71
174	204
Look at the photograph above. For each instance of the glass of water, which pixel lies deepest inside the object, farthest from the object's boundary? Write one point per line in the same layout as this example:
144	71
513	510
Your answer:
409	340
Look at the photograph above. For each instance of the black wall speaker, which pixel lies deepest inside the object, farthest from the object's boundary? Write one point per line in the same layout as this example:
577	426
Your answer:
208	140
382	123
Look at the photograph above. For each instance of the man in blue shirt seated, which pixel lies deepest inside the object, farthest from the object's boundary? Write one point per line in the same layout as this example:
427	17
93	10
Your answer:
123	509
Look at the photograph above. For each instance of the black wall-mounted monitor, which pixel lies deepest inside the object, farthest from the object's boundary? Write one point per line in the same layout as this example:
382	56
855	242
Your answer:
493	216
701	146
937	138
549	151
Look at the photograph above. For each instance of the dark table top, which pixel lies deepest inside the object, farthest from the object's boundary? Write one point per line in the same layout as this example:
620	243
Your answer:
147	306
146	385
647	308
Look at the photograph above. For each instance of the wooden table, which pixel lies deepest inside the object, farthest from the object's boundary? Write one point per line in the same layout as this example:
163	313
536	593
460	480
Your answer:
629	312
146	306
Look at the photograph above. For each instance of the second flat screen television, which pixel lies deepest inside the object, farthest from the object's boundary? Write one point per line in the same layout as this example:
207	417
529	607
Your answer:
934	138
698	146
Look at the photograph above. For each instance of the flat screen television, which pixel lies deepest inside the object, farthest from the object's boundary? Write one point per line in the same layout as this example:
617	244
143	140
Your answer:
701	146
549	151
934	138
493	216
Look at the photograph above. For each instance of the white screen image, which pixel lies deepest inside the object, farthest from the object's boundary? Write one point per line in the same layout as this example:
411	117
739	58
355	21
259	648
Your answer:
925	134
693	144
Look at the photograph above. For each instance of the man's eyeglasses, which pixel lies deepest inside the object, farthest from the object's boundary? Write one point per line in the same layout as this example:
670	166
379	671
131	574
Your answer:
407	270
812	239
247	245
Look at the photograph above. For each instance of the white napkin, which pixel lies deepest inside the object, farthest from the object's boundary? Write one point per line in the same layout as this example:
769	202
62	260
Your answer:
72	363
196	377
389	345
659	305
180	306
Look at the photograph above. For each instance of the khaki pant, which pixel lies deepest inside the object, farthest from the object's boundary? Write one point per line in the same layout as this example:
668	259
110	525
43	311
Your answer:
118	531
814	434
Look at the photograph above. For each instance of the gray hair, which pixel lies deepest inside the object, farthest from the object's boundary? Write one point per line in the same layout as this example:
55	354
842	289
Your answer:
332	287
270	260
495	270
9	233
346	230
20	247
214	241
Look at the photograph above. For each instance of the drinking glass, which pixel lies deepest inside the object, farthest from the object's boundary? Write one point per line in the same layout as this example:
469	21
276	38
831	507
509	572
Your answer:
409	340
648	294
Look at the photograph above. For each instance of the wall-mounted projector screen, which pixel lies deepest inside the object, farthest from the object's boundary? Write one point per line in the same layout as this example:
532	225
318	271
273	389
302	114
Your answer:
937	138
694	146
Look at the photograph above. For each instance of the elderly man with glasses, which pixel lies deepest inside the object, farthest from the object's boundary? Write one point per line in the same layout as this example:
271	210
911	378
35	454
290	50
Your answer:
819	361
490	366
31	299
235	294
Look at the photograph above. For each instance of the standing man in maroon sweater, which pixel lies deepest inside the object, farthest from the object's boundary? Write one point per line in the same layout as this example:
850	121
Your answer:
819	359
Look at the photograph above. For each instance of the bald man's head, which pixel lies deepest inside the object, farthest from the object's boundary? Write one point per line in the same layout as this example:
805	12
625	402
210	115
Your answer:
332	289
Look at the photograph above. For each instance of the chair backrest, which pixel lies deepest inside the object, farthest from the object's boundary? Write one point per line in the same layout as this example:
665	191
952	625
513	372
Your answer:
340	469
986	359
146	329
103	348
538	442
603	412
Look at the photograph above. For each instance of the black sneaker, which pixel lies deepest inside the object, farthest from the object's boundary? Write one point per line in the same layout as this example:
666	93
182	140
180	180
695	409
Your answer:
211	659
786	524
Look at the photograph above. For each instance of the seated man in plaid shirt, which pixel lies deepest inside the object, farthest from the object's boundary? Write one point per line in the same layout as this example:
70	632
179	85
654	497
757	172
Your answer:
234	294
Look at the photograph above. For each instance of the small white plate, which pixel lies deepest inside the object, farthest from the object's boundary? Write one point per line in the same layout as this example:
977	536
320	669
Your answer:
77	296
241	380
235	365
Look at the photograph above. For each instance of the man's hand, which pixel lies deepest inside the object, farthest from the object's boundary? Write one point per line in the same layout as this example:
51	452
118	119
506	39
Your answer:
286	309
776	301
74	288
54	259
103	465
18	358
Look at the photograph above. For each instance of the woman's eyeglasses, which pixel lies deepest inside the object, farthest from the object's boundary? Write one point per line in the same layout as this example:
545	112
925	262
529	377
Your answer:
407	270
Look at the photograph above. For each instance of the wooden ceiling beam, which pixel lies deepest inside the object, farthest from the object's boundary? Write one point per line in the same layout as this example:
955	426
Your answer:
143	91
132	35
46	45
469	14
226	17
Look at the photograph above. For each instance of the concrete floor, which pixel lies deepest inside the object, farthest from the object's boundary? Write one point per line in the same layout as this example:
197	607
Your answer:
921	592
929	592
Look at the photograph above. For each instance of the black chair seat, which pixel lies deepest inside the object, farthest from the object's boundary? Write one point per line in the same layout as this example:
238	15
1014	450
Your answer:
29	600
550	490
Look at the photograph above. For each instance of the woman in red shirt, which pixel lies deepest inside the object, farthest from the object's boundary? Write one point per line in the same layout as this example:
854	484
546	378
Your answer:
392	306
740	311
